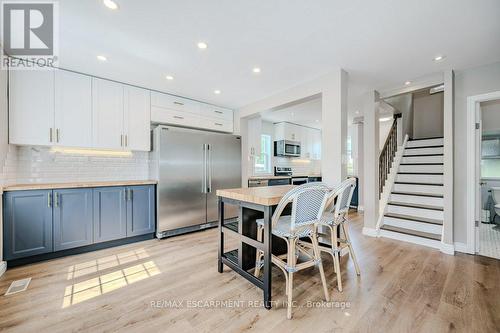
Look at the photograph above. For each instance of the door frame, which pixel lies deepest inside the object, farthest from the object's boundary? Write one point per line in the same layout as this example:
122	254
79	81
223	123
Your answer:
472	169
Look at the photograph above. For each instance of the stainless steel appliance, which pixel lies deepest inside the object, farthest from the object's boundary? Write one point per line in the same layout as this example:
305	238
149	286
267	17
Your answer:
299	180
258	182
287	148
282	171
190	166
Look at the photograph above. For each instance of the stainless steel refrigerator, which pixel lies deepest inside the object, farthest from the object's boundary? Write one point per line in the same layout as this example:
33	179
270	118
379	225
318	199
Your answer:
190	166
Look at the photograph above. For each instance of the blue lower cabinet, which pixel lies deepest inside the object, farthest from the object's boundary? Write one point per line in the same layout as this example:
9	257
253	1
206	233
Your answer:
27	223
140	210
72	218
110	213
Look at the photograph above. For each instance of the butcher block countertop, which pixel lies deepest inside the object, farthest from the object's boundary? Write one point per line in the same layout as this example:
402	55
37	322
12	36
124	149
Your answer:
49	186
268	177
266	196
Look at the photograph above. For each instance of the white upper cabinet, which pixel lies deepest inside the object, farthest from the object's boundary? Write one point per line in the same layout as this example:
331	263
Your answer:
309	138
173	110
137	119
107	114
31	107
254	136
73	109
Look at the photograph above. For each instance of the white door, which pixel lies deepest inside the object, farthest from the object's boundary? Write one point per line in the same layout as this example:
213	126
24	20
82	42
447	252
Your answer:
31	107
107	114
478	204
73	109
137	119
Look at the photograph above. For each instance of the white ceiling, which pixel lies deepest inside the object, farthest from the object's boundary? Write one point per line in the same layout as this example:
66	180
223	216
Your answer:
380	43
305	114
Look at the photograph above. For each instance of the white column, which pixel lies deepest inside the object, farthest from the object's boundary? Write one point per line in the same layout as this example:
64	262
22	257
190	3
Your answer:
334	130
359	160
371	154
448	162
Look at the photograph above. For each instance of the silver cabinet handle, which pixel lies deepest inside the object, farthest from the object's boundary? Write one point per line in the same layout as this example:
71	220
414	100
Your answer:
178	117
121	140
219	112
204	185
56	199
209	164
218	124
178	103
51	134
57	134
49	200
126	140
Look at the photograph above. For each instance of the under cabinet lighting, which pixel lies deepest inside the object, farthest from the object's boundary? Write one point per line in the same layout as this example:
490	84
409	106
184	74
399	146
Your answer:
90	152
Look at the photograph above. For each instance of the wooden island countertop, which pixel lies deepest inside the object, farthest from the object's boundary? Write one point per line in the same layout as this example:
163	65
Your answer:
266	196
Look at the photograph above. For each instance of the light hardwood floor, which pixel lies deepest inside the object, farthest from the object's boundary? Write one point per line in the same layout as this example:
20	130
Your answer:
402	288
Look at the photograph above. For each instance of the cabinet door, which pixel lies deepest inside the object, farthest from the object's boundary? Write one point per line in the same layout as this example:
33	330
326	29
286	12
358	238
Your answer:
27	223
72	218
137	119
73	109
110	220
140	210
31	107
107	114
317	145
254	133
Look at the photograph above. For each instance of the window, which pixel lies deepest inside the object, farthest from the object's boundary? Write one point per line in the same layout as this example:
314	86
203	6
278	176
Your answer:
263	162
350	159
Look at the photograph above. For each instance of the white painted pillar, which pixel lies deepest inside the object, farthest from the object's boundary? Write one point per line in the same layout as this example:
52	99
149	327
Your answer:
357	149
371	156
334	131
449	78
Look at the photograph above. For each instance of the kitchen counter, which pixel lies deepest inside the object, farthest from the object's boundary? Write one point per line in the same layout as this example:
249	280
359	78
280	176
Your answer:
48	186
266	196
281	177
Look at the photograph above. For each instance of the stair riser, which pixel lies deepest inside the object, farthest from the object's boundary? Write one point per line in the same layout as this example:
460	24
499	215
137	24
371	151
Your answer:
418	188
434	179
416	212
416	199
421	168
414	225
422	159
423	143
424	151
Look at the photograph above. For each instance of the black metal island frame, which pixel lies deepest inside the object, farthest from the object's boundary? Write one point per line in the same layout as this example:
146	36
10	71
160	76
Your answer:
253	203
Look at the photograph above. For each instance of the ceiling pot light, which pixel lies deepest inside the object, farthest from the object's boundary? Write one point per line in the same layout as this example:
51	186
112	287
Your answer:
407	83
102	58
110	4
439	58
385	119
169	77
256	70
217	92
202	45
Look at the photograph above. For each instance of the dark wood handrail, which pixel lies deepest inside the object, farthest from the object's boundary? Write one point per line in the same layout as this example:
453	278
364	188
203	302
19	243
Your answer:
387	154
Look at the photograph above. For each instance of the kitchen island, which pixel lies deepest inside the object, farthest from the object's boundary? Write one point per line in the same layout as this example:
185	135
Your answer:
254	203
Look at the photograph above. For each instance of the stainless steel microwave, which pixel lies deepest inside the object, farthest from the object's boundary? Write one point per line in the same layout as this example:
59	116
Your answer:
287	148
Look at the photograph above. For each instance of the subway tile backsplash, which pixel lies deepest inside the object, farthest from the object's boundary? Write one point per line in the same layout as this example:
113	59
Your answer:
299	166
26	164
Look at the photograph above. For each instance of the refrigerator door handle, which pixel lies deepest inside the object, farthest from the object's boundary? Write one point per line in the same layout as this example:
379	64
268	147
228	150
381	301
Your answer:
204	177
209	163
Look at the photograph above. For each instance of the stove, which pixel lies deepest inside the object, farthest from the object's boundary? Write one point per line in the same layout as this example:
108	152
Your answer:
282	171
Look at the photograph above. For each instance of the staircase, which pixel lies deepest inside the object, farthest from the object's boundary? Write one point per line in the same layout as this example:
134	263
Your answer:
414	211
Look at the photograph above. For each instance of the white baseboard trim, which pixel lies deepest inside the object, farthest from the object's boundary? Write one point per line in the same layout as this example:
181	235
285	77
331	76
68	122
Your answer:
461	247
370	232
3	267
361	208
411	239
448	249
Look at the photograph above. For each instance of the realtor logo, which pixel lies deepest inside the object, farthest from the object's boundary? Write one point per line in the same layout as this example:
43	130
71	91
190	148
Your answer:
29	34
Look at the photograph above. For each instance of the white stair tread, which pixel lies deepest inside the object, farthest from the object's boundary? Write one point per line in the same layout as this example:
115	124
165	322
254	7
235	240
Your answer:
405	231
413	218
412	205
419	194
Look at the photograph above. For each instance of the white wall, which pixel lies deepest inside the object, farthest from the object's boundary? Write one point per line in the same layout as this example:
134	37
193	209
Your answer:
404	104
490	116
428	115
468	82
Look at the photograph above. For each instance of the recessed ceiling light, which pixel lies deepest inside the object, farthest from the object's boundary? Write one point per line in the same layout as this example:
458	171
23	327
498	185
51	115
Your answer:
256	70
169	77
202	45
110	4
102	58
439	58
407	83
217	92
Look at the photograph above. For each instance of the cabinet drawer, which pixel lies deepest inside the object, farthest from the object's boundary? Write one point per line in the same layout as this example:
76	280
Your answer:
217	125
174	103
159	115
211	111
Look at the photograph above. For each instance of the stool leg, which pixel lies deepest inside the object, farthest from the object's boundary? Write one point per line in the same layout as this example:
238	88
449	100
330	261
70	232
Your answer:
291	264
336	259
351	250
317	256
259	254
